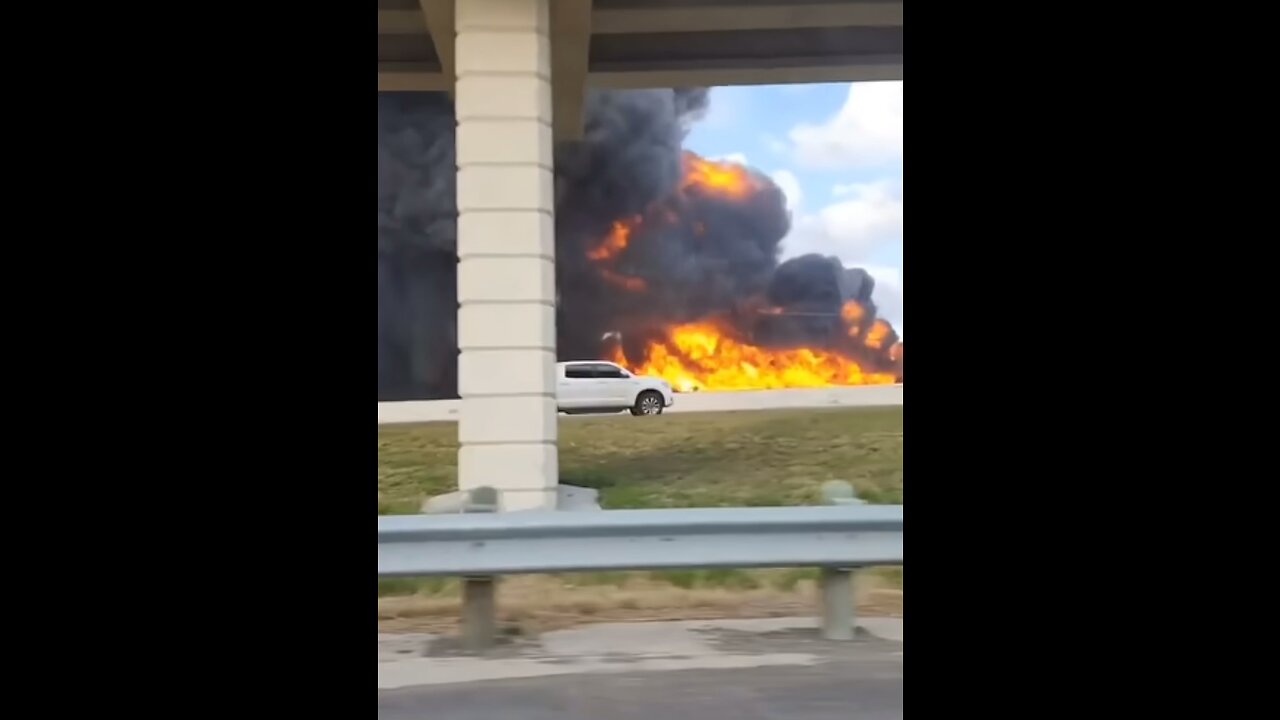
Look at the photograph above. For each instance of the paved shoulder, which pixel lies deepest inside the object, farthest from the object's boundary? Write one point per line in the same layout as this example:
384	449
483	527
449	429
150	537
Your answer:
711	670
839	690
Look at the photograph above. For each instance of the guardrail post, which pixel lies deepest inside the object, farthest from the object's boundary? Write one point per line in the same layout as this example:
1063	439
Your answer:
479	613
837	604
838	617
479	606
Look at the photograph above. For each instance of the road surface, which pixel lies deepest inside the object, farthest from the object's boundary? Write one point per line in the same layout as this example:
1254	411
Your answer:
715	670
842	690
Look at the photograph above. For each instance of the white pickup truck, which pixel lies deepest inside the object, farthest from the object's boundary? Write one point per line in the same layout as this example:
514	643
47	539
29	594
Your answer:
594	386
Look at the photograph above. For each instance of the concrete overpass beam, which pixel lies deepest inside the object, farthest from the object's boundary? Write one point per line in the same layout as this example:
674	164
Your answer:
783	14
438	15
571	28
506	252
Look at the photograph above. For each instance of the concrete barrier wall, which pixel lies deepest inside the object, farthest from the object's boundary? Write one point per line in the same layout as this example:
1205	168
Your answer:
868	396
416	411
390	413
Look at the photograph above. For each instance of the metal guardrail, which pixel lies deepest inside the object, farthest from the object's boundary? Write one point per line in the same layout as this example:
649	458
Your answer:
549	542
479	545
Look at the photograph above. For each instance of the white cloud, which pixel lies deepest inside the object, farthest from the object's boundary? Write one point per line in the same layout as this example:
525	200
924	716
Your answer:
866	131
852	229
737	157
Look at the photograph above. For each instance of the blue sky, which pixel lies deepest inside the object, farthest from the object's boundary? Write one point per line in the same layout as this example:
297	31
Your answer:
836	151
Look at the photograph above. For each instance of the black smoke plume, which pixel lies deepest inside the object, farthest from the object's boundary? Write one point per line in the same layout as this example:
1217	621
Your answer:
417	237
696	254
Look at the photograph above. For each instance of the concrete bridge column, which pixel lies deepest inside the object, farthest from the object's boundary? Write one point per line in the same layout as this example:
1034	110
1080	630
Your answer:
506	251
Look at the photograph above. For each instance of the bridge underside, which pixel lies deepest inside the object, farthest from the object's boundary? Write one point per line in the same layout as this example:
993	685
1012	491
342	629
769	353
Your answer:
663	43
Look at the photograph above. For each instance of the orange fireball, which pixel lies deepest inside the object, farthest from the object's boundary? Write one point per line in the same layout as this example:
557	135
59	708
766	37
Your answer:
876	335
720	178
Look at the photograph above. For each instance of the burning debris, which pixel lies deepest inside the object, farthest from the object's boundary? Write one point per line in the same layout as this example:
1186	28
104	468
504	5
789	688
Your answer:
666	262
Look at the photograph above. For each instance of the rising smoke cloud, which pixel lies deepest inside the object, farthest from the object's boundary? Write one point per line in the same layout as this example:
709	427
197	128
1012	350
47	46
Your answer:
417	240
628	164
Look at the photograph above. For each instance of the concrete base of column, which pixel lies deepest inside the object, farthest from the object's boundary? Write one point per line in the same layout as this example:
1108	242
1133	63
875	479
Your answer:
526	474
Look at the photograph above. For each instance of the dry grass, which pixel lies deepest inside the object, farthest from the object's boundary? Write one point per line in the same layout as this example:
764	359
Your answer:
778	457
535	603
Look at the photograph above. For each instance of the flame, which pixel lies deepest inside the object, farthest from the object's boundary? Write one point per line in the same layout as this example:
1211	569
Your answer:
611	247
720	178
614	243
876	335
698	356
851	312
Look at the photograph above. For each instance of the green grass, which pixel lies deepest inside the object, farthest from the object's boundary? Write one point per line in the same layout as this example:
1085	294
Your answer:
777	457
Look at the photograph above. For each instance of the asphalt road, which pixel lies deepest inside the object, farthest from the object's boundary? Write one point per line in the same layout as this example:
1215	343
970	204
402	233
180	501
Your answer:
851	688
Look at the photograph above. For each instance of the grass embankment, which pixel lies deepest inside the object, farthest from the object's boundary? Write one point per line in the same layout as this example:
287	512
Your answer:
778	457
